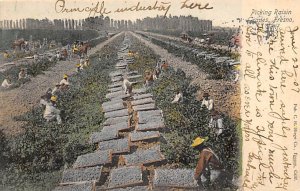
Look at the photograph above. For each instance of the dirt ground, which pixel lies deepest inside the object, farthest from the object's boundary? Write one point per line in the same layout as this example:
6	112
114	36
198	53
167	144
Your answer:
16	102
226	94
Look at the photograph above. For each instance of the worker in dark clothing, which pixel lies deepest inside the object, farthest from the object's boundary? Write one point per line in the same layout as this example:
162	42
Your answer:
208	167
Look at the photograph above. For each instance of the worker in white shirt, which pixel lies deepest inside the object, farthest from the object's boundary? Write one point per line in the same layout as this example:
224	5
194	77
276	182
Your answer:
156	73
51	112
86	63
6	83
236	73
216	122
64	83
127	86
178	97
58	56
207	102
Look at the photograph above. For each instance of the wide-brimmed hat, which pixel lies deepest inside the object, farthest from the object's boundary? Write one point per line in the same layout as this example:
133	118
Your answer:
53	98
198	141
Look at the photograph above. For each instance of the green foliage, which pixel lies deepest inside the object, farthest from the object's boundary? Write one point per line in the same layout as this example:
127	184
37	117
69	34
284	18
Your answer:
215	71
219	37
33	69
36	68
3	150
187	120
44	148
145	59
63	36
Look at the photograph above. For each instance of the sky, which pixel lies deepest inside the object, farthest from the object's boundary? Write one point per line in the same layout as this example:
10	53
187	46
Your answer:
222	14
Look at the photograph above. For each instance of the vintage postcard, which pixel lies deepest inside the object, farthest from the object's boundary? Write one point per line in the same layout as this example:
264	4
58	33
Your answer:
136	95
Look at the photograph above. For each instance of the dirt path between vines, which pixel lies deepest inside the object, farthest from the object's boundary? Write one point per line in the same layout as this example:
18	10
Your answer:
178	39
226	94
16	102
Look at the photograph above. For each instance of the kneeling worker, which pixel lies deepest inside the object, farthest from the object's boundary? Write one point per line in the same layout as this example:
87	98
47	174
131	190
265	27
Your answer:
51	112
208	166
64	83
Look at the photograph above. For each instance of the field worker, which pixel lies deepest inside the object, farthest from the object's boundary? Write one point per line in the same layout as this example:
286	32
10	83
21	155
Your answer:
80	44
45	99
159	63
72	51
56	90
48	94
35	57
127	86
236	73
68	46
164	66
86	63
156	73
148	78
74	48
208	167
6	83
178	97
79	67
64	83
207	102
65	54
130	53
216	122
6	55
58	56
51	112
23	74
65	80
231	43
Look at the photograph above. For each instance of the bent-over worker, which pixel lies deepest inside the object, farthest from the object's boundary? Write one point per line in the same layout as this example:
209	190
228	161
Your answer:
148	78
156	73
178	97
207	101
127	86
51	112
64	83
6	83
164	66
86	63
6	55
208	167
79	67
23	74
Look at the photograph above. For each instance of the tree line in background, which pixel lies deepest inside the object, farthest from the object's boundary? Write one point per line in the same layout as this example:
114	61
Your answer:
171	23
60	24
174	23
